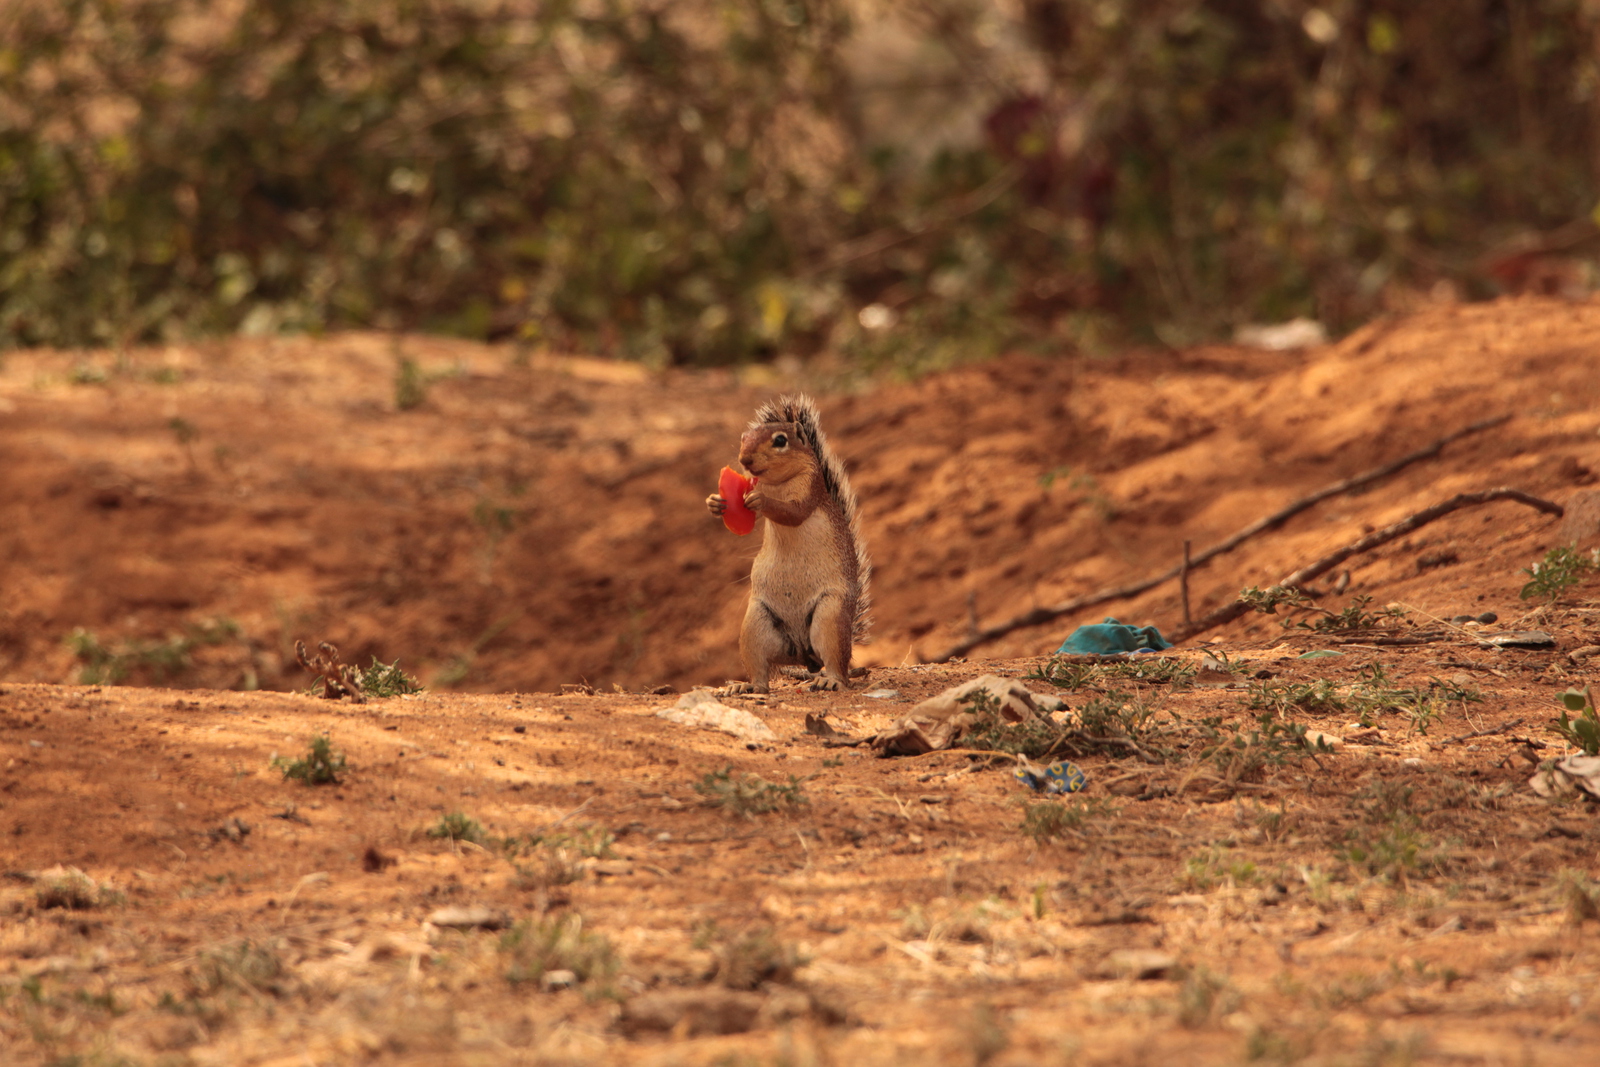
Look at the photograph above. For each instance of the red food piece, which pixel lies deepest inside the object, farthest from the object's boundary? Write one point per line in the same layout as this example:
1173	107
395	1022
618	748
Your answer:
733	486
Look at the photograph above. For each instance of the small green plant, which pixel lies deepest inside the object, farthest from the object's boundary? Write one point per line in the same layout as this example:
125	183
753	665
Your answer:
321	765
538	948
750	794
109	665
1267	601
1584	731
70	888
388	680
1218	866
1562	568
750	959
1355	617
245	966
1050	820
1388	843
1320	697
1205	997
458	826
557	859
1069	673
1579	895
1243	753
410	385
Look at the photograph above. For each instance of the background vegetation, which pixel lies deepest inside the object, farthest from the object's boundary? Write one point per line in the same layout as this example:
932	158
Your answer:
703	181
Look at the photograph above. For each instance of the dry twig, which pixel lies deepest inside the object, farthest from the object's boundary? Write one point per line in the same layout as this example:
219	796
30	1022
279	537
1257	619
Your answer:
1039	616
339	680
1228	612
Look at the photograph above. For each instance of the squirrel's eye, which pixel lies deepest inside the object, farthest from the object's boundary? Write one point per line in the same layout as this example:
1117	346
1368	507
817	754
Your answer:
780	440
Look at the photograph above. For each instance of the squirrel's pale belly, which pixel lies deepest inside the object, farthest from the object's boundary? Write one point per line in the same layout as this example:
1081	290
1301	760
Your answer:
797	566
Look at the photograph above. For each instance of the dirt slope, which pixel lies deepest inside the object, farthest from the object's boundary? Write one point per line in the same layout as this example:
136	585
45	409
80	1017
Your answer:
540	522
1406	899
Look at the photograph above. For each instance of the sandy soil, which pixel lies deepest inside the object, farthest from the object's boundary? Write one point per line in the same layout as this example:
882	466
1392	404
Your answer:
189	513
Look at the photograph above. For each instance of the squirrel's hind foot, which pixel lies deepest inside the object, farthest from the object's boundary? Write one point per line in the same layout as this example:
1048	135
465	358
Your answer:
733	689
823	681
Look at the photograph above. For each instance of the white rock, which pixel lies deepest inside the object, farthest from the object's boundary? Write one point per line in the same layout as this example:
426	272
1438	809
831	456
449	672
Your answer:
701	709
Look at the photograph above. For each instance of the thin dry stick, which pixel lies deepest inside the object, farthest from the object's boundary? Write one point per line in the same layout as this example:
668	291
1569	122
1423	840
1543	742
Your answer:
1228	612
1047	614
1183	582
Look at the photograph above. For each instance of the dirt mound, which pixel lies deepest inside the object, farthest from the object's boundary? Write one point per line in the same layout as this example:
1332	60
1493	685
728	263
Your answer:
535	521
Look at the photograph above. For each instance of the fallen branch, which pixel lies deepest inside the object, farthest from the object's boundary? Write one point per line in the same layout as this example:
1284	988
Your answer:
1038	616
1490	732
1228	612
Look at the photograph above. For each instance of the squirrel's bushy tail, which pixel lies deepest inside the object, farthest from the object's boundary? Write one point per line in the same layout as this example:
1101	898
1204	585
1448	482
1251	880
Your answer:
801	410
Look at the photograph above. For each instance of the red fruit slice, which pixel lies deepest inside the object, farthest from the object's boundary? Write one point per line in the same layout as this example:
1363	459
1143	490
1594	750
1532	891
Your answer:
733	486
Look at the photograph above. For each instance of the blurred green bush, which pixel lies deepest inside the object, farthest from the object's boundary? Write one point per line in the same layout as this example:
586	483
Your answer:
709	181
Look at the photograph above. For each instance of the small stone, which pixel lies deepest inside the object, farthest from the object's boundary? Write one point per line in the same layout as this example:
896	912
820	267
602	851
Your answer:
470	916
559	980
1487	617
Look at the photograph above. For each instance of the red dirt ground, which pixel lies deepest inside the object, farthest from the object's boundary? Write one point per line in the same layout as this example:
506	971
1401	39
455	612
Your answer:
539	520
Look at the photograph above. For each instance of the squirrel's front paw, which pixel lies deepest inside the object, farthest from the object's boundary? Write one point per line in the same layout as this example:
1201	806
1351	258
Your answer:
754	499
716	504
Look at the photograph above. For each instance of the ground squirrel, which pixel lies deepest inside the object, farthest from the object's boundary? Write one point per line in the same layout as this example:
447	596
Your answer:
808	586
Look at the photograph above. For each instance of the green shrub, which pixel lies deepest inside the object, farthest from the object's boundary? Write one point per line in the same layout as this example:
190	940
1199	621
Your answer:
700	181
321	765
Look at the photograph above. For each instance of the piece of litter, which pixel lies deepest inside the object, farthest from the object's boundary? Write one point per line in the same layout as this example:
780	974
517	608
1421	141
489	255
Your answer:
1320	653
882	694
1060	777
1519	639
1282	336
1567	776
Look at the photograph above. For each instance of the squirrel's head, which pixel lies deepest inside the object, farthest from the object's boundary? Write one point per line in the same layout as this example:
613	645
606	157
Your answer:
775	452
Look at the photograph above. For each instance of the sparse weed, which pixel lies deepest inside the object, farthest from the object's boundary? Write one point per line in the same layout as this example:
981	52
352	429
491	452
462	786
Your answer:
1205	997
164	660
1579	895
1389	843
1216	866
458	826
1355	618
986	1034
1320	697
1584	731
1562	568
557	859
70	888
1050	820
536	949
749	959
321	765
1267	601
410	384
749	794
1242	754
388	680
245	966
1071	673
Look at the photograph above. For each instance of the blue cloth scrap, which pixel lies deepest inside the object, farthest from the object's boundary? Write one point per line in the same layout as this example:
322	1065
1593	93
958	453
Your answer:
1110	637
